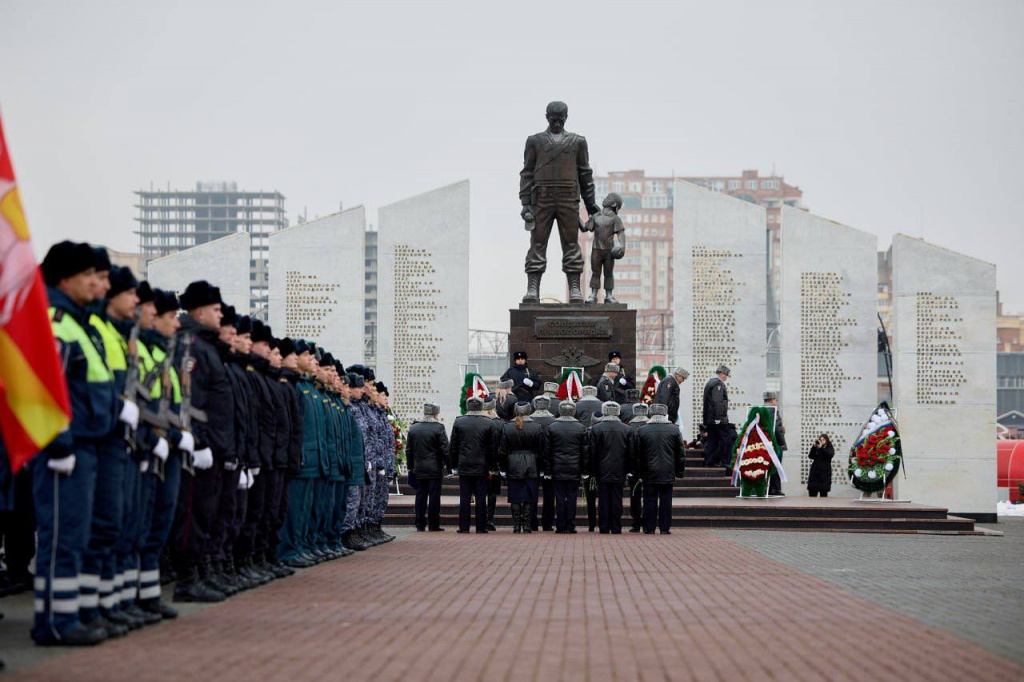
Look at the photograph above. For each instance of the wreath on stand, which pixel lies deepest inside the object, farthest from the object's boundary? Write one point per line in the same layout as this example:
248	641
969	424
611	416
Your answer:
876	455
754	457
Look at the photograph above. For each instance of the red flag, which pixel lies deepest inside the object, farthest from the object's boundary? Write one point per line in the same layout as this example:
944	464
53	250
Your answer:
34	405
571	388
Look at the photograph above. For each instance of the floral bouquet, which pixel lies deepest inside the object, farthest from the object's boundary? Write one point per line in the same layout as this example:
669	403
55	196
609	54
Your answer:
876	455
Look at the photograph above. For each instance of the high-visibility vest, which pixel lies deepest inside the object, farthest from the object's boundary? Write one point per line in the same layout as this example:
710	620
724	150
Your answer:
114	345
67	329
158	356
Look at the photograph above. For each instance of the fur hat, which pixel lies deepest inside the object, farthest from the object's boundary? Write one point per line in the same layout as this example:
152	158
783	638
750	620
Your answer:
550	387
506	385
145	293
66	259
301	346
121	280
679	371
519	355
474	404
590	391
228	316
287	347
354	380
491	403
610	409
198	294
165	301
326	360
381	388
641	410
770	395
244	325
102	258
611	367
431	410
722	369
261	332
524	409
659	410
566	409
614	354
541	402
633	395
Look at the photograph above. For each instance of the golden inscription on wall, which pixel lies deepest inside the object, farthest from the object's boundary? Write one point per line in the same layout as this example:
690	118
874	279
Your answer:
416	344
307	302
823	306
714	325
940	364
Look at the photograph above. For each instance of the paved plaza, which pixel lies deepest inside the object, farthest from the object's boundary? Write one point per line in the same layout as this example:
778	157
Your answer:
699	604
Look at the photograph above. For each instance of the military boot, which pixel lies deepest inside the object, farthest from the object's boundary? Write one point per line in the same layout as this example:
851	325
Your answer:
239	570
352	541
274	564
517	519
575	293
593	297
208	574
608	298
532	287
387	536
527	514
491	502
190	588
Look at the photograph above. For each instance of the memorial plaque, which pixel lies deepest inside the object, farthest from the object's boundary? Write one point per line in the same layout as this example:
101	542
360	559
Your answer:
944	307
827	336
572	327
223	263
317	283
423	312
720	299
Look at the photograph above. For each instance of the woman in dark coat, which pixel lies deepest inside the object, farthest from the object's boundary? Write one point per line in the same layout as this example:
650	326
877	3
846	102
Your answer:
521	455
819	480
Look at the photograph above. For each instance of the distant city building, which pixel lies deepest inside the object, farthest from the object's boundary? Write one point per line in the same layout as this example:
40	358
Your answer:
643	278
370	301
1009	331
173	220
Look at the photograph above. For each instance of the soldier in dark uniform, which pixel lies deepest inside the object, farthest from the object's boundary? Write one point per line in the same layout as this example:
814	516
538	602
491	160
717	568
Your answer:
633	481
494	474
716	419
668	392
566	446
610	447
622	383
542	415
606	384
427	453
551	393
632	398
586	407
521	454
556	173
660	458
771	399
523	380
473	454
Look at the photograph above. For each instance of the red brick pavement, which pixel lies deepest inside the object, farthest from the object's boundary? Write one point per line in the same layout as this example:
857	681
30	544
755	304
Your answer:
441	606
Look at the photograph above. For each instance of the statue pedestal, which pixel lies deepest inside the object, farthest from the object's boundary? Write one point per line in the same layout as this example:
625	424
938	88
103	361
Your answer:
557	335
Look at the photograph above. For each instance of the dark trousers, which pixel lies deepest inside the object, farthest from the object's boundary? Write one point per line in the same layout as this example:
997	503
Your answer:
636	503
165	499
227	508
562	205
323	511
610	507
18	526
126	549
292	536
547	490
815	493
473	489
277	504
196	513
428	503
775	481
99	564
63	513
337	521
657	506
601	259
565	493
591	506
248	536
718	450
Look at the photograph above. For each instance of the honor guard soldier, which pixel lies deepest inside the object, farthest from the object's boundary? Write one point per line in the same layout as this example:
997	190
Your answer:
606	383
660	458
523	379
622	383
427	452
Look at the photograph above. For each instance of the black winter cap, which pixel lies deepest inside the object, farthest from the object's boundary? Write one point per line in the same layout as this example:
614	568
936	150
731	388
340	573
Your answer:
261	332
286	346
228	316
121	280
102	258
66	259
200	293
145	293
243	324
165	301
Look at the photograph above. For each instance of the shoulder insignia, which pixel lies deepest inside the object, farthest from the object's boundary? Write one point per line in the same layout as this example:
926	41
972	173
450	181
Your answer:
250	368
283	380
58	314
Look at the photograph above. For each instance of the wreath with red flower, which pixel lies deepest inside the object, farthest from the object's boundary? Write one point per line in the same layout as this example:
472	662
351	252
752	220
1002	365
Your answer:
876	455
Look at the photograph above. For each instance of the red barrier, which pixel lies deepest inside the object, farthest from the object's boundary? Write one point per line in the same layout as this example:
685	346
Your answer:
1010	466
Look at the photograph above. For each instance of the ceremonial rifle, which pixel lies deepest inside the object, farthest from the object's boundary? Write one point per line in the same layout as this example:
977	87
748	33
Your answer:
164	410
188	413
134	387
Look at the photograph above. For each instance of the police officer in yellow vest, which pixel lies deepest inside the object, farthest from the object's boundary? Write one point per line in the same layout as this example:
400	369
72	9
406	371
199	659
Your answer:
64	473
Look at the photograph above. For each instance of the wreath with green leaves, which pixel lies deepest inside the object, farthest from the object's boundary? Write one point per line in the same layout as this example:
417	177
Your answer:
876	455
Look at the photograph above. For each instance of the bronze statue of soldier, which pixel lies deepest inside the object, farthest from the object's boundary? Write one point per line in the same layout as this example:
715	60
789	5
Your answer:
556	174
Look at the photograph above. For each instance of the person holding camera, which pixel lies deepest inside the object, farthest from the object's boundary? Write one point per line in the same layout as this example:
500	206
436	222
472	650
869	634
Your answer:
819	479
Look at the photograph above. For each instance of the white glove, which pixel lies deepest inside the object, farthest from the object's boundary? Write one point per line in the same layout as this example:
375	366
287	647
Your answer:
546	477
203	459
230	466
586	476
718	421
188	442
455	472
62	465
380	472
528	381
130	414
144	466
254	472
162	449
250	480
243	481
502	474
622	380
369	467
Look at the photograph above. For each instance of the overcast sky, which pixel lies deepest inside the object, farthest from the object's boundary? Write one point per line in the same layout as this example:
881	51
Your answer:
891	116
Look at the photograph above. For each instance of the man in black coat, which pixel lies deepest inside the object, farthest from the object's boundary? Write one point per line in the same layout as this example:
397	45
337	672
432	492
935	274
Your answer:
542	415
567	456
622	381
606	384
626	408
427	455
715	418
668	392
610	462
660	458
473	454
524	381
771	399
585	409
633	480
550	392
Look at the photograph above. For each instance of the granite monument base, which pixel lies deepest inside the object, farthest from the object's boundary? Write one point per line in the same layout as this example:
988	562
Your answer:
557	335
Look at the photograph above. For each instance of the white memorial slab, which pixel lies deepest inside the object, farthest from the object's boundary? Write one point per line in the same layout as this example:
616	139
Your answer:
423	299
828	338
720	299
317	285
944	357
223	263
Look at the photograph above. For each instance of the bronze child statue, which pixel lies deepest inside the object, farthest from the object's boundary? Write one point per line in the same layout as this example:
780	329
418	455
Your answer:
609	246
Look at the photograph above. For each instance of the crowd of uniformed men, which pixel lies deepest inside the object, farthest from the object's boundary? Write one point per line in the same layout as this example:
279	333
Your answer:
201	449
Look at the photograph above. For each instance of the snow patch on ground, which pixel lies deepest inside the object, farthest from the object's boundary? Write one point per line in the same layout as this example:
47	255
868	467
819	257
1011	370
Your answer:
1009	509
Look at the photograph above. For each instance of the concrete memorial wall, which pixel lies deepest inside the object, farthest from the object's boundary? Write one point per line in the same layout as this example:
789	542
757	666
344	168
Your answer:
423	294
828	301
317	283
223	263
719	262
944	357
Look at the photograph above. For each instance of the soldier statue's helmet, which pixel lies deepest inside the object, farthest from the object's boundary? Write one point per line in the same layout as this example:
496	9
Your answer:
612	368
431	409
566	409
474	404
524	409
633	394
659	410
519	355
613	200
614	354
610	409
641	410
557	108
541	402
590	391
722	369
550	387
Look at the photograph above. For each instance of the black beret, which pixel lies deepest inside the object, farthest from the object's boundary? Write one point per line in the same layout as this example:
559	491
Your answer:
287	347
66	259
121	280
145	293
354	380
615	354
243	324
301	346
261	332
326	360
229	316
165	301
198	294
102	258
519	355
381	388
